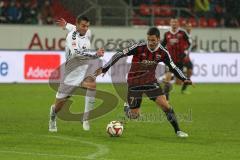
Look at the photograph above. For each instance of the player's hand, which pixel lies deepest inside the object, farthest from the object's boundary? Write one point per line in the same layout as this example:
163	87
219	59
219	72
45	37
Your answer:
61	22
100	52
98	72
187	82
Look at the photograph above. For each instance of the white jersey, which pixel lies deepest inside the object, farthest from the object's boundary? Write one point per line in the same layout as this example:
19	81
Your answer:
77	45
77	56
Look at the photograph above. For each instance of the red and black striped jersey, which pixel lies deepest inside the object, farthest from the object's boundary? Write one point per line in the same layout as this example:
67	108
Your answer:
175	43
144	63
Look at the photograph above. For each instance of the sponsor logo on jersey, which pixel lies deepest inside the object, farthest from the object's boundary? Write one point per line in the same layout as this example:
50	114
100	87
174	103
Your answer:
41	67
173	41
74	44
74	35
148	62
179	35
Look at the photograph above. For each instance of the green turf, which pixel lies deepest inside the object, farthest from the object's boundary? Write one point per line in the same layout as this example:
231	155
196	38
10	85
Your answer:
210	115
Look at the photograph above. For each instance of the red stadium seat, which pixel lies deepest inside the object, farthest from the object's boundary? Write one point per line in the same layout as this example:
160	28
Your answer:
137	21
156	10
193	22
145	10
203	22
182	21
60	10
160	22
212	22
165	10
168	10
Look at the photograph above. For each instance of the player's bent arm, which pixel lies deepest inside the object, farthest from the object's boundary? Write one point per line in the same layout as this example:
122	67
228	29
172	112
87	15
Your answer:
173	68
176	71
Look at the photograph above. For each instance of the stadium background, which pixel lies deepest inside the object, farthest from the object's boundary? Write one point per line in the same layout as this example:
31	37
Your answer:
31	46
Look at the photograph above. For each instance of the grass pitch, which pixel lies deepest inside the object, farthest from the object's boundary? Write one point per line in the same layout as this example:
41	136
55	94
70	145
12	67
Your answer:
210	115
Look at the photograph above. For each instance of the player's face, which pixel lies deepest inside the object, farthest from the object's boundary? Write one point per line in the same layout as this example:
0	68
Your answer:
153	41
82	27
188	27
174	24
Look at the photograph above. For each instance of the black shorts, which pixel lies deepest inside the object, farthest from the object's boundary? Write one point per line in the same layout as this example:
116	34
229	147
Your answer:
135	93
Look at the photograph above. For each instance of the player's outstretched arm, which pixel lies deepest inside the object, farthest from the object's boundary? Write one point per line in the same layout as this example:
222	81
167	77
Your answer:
125	52
61	22
178	73
173	68
110	63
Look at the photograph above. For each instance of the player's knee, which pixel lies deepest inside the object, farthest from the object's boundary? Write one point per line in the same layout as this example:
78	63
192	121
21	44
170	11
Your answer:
91	86
89	83
89	79
162	102
61	101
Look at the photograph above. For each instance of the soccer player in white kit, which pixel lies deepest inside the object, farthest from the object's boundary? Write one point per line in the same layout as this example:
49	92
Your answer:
77	51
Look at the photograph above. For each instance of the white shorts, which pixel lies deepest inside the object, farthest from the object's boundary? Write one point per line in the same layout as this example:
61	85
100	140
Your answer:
75	72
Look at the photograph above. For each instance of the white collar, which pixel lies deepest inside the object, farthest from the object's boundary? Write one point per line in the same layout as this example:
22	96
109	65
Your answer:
154	49
81	36
175	31
78	33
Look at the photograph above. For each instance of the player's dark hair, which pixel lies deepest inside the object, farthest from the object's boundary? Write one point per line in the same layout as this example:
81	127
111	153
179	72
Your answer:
153	31
82	18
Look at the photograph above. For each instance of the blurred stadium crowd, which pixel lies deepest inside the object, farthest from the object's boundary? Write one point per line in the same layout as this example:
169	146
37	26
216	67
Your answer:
201	13
26	12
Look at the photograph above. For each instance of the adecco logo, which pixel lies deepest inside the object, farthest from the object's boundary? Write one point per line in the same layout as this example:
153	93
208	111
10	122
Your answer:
41	67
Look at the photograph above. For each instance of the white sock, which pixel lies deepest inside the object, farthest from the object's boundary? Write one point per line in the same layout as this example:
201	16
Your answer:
89	103
53	113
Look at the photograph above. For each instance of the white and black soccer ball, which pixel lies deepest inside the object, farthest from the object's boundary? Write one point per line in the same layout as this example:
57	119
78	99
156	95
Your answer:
115	128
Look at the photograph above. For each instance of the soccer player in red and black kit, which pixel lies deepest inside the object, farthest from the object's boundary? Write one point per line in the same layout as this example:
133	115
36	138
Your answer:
142	79
187	63
175	41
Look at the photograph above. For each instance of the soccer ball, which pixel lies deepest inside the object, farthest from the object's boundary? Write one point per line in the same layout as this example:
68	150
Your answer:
115	128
